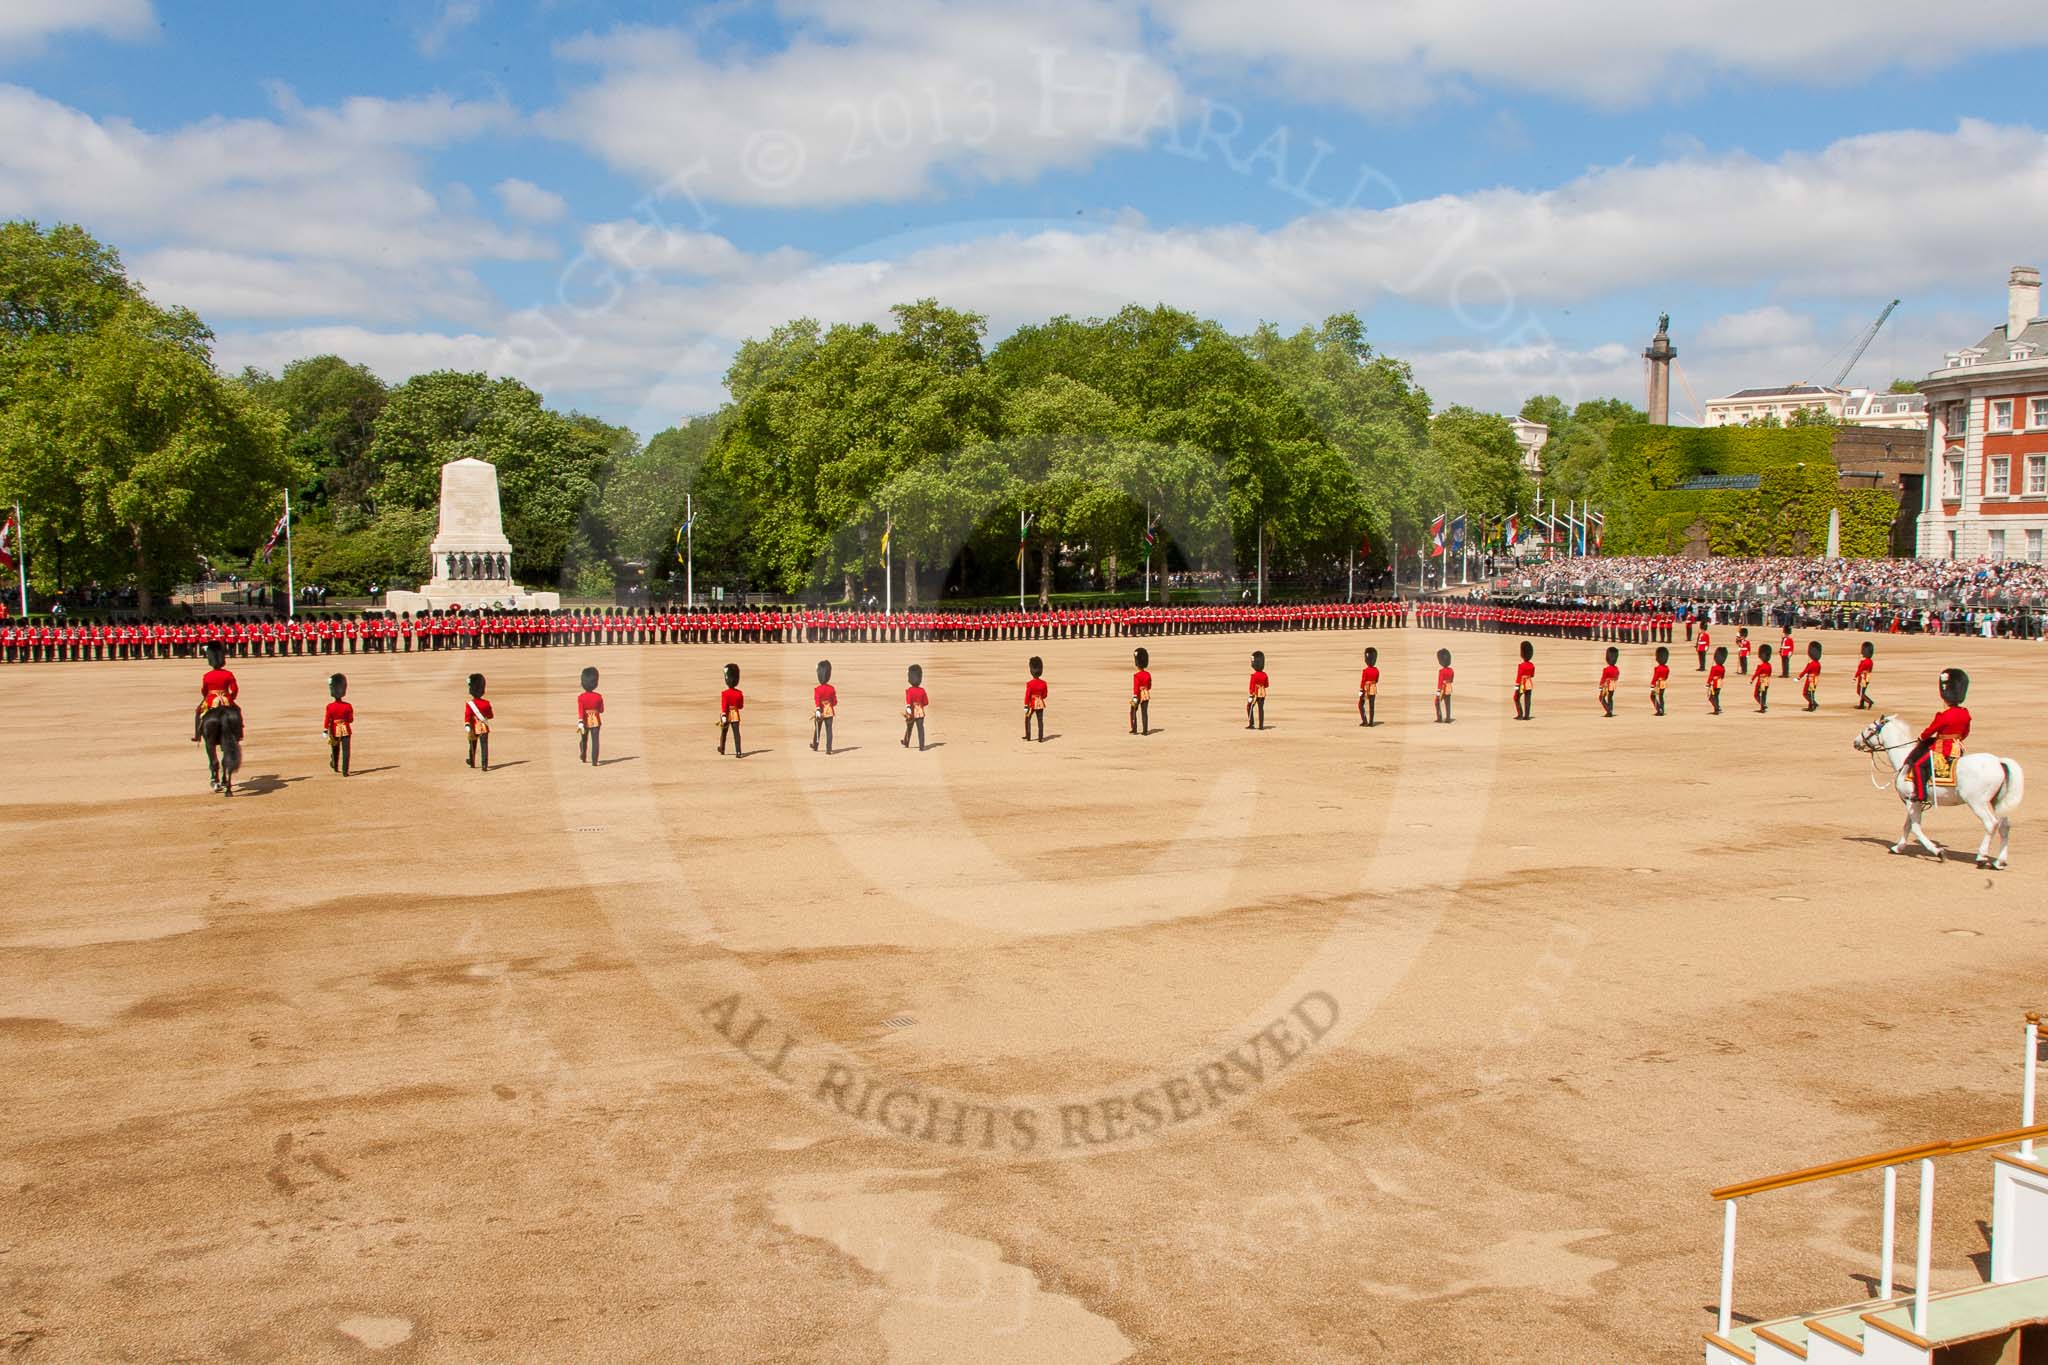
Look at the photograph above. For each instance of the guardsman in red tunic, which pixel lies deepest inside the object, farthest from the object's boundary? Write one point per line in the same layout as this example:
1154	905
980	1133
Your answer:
1760	683
1785	653
1035	692
1714	676
589	717
476	722
1255	692
1660	676
824	705
1700	643
1742	649
1141	691
1809	676
1444	678
915	702
216	688
1525	682
730	703
1943	736
1610	678
338	724
1369	689
1863	666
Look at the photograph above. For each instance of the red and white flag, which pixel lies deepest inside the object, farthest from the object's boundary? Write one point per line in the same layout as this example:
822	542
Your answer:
1436	538
10	542
275	532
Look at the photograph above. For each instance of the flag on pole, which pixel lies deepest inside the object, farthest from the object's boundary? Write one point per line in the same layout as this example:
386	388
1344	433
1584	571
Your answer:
1458	534
1436	538
10	542
1151	534
682	530
1023	531
887	526
1512	532
275	532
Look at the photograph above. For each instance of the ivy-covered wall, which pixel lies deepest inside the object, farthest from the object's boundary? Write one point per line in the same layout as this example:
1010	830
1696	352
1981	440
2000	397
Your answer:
1787	513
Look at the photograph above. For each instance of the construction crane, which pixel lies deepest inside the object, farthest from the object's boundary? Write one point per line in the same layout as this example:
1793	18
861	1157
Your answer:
1863	344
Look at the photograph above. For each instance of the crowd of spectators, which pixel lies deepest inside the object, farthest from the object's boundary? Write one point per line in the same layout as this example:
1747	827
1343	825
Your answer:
1985	597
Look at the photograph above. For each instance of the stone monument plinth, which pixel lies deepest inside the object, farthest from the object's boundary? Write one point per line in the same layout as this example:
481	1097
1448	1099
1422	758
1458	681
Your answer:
472	559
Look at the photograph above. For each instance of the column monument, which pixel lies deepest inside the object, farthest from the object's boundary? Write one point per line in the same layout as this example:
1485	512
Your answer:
1660	355
471	560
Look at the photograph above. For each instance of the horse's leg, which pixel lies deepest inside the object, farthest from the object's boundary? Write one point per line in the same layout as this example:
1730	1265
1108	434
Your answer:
1921	834
2004	840
1990	823
1905	829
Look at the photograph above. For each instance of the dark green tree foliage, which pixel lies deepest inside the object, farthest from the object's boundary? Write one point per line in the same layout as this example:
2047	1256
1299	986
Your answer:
330	409
550	467
136	456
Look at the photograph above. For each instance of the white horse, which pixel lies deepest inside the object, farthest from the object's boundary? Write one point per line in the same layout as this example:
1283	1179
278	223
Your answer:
1990	786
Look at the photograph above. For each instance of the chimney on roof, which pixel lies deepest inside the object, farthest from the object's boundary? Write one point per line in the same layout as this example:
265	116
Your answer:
2022	300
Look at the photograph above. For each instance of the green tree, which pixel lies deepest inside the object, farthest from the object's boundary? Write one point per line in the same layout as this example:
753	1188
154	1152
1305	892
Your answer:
551	467
330	409
1484	461
115	427
1904	386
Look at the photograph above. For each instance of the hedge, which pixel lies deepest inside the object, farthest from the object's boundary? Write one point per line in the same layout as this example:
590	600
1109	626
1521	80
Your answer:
1786	514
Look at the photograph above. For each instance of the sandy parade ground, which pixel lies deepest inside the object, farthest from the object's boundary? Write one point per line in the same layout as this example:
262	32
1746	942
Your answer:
1423	1043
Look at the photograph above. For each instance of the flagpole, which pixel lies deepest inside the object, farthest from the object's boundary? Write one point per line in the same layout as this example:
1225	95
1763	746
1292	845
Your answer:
21	555
1262	564
291	590
1023	530
689	552
888	582
1148	551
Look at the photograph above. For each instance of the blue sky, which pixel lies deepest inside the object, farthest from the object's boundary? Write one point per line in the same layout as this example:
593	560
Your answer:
605	198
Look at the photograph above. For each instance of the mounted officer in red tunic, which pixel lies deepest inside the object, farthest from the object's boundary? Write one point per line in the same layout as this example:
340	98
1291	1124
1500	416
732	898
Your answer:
1933	757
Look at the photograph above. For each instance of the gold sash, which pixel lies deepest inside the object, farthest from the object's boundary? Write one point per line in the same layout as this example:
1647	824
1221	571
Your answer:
340	730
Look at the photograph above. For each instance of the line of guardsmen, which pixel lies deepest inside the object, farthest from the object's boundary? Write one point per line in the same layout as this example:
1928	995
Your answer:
331	633
1644	625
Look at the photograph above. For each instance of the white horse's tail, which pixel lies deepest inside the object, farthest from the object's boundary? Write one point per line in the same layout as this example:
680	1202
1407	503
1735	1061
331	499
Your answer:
2009	795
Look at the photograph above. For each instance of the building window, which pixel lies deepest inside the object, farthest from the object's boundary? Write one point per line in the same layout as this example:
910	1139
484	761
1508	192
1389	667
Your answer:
2037	474
1995	542
1958	419
2001	476
2037	413
2000	415
2033	547
1952	481
1951	544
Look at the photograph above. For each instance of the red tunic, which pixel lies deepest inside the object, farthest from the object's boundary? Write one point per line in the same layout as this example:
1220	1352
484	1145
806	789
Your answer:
1443	680
730	700
1948	729
1369	679
824	695
1714	676
1661	674
1259	683
1608	677
588	704
1141	684
915	699
338	711
219	682
474	707
1525	675
1035	693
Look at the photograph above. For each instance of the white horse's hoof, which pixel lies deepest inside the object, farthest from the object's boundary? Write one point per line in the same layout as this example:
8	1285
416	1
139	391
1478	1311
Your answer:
1998	864
1896	848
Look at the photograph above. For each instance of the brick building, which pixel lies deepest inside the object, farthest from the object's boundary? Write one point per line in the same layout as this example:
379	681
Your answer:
1986	481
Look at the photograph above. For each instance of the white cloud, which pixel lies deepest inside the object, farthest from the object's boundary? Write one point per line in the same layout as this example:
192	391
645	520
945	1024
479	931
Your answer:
644	322
870	102
530	203
455	16
1378	54
311	200
1770	325
26	24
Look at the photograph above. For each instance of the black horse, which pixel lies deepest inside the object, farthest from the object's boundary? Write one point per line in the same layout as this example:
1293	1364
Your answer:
221	728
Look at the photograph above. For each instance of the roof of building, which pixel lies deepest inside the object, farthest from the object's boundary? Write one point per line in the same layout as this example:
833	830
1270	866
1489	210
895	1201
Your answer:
1998	349
1782	391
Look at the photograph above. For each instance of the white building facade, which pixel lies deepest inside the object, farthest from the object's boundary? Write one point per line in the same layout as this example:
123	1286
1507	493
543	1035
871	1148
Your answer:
1986	486
1864	407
